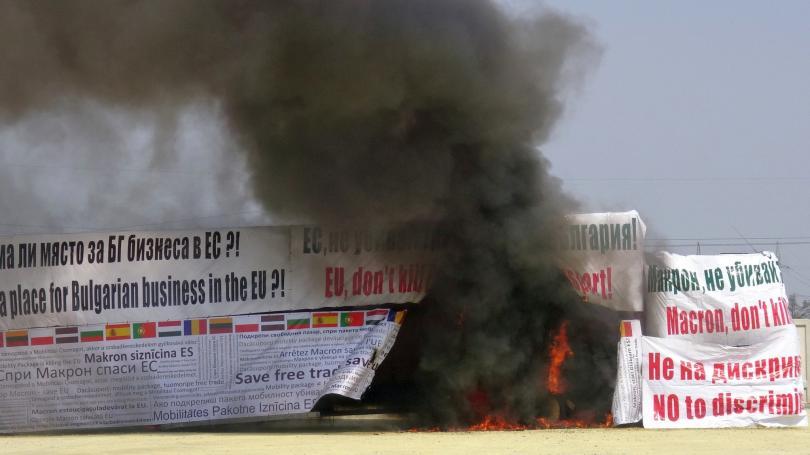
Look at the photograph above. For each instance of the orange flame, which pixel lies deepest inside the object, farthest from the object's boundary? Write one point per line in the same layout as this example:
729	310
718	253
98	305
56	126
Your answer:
496	423
560	350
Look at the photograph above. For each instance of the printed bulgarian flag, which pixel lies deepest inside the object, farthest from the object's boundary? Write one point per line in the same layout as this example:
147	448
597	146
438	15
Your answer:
1	340
91	333
118	332
195	327
297	321
40	337
376	316
169	329
246	324
144	330
352	318
220	325
324	320
16	338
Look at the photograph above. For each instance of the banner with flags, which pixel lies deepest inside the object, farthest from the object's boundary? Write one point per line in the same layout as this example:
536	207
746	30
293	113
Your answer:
173	371
114	277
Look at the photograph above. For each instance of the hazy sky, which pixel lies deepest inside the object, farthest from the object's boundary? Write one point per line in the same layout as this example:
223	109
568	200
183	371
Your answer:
698	116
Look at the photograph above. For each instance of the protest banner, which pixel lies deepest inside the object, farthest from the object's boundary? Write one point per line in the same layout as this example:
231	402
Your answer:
188	370
730	299
603	258
698	385
76	279
627	394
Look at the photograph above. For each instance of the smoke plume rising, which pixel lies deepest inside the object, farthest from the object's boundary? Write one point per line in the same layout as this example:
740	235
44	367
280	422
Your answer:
369	112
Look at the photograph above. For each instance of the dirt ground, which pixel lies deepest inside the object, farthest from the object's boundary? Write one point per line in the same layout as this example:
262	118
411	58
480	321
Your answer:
585	441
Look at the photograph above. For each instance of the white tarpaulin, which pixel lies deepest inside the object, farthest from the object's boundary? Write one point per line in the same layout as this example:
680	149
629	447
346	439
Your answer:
627	395
171	371
697	385
731	299
74	279
604	258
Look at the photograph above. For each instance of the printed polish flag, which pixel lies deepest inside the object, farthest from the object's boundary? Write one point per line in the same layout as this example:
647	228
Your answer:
40	337
246	324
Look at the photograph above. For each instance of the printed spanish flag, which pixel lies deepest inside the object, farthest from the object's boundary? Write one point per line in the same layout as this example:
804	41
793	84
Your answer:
92	333
195	327
220	325
16	338
118	332
40	337
352	319
324	320
144	330
296	321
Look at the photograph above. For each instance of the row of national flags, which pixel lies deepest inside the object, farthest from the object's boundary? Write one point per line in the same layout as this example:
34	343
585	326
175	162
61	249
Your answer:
207	326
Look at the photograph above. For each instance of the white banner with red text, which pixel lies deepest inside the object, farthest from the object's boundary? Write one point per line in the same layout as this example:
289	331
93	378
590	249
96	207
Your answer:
192	370
697	385
603	258
730	299
75	279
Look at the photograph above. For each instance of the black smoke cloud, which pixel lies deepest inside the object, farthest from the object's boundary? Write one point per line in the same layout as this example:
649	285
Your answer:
359	112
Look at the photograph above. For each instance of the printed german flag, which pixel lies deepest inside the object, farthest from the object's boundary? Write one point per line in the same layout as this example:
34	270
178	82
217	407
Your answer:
320	320
118	332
